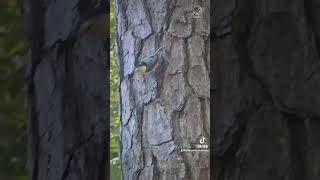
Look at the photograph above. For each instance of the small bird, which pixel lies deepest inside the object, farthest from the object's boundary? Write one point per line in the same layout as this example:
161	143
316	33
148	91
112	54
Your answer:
148	63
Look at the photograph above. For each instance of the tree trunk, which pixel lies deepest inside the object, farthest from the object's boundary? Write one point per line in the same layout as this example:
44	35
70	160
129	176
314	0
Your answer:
67	89
266	90
166	110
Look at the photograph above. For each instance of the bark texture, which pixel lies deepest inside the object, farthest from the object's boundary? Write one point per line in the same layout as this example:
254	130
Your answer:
166	109
266	89
67	89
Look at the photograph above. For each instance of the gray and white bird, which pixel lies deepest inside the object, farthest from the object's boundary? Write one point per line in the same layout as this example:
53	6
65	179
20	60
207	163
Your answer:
149	62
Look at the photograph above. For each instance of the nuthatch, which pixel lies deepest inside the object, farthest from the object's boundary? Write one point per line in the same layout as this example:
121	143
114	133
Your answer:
148	63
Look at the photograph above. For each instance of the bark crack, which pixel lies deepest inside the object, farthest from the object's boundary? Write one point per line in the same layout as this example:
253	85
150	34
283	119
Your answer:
170	9
148	15
162	143
178	141
72	153
204	116
186	65
35	37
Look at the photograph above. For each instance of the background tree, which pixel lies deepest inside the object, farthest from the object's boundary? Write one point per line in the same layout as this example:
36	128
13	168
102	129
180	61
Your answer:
266	90
115	173
67	89
167	109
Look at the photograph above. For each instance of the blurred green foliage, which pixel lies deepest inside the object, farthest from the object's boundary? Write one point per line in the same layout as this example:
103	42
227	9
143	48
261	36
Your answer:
12	111
115	173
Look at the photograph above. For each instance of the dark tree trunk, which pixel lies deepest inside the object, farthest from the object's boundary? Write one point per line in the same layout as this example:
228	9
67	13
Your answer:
67	89
165	110
266	113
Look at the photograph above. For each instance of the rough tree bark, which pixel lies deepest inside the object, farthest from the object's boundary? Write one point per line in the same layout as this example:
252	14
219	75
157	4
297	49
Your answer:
266	89
167	109
67	89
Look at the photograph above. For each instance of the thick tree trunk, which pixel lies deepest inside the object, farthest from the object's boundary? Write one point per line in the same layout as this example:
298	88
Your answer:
67	89
266	90
165	110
